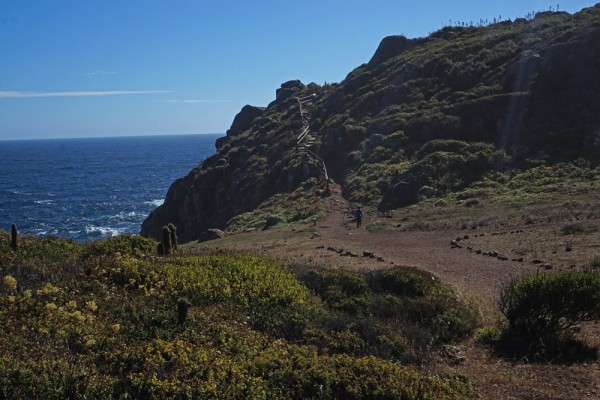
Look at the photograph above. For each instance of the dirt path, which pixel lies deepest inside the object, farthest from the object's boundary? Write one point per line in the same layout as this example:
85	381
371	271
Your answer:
474	274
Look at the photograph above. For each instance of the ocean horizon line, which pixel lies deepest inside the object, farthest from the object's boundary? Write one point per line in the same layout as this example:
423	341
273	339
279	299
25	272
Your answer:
114	136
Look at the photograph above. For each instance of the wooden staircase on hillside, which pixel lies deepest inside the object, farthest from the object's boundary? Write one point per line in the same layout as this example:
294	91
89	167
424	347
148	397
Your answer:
305	140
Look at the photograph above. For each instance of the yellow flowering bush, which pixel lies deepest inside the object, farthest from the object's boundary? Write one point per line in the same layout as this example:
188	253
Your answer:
10	283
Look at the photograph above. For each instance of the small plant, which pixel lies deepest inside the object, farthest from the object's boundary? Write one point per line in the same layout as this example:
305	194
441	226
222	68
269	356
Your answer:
378	225
273	220
569	245
441	203
471	202
487	336
13	237
528	220
11	283
573	229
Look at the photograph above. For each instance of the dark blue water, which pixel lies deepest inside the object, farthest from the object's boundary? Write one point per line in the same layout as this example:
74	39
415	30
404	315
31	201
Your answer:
90	188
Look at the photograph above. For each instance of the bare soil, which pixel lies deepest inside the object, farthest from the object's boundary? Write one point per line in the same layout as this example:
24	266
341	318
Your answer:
474	261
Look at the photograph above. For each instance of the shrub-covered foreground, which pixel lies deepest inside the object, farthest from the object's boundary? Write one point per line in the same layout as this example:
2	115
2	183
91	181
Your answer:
99	321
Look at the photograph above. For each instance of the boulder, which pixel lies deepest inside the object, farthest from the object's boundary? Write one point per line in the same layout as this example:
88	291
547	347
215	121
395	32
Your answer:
243	120
220	142
293	84
288	89
389	47
454	354
211	234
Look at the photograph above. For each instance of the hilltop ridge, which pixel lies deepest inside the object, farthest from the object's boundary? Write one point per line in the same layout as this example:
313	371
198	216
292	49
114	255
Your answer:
424	118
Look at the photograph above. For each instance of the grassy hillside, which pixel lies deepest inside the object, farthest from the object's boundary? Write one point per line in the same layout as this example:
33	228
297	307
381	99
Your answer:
99	320
424	118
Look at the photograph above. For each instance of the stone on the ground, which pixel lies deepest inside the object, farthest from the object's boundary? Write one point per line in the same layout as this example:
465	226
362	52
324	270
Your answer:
211	234
453	353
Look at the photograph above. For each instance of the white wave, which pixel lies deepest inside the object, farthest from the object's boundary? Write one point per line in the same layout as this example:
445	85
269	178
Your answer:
124	216
13	191
156	203
43	201
103	230
41	232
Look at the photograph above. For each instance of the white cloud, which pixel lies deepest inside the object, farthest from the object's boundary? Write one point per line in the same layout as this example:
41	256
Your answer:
29	95
94	73
197	101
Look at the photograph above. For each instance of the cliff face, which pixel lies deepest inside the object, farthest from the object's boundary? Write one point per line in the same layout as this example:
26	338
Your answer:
258	159
422	118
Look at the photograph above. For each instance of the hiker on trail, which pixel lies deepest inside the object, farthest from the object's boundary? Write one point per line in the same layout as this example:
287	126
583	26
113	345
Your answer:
358	214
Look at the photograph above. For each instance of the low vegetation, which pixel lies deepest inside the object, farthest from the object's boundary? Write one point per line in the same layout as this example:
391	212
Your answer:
99	320
542	308
282	209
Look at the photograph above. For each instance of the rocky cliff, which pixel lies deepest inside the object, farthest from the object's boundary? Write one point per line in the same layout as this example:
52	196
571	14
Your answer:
424	117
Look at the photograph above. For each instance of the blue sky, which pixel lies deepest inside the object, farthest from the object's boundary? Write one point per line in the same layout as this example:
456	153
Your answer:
79	68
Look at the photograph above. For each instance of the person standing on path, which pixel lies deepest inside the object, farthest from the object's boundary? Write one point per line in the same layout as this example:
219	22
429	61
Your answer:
358	214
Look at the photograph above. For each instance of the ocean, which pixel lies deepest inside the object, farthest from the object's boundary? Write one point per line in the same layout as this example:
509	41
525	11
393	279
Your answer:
92	188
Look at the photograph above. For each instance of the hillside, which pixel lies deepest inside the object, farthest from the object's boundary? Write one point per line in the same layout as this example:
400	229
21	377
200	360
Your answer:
424	118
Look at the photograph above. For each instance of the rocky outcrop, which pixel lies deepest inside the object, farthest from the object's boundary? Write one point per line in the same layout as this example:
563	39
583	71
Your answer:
288	89
242	122
389	47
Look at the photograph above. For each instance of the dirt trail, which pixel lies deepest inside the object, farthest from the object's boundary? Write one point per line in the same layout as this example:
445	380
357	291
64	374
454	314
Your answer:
473	274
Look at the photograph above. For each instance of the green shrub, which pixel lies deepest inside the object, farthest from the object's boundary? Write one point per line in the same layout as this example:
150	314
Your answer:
300	372
273	220
341	290
48	249
123	244
576	228
451	146
487	336
541	309
471	202
400	282
441	203
427	192
419	309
